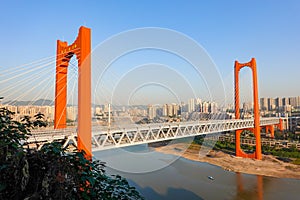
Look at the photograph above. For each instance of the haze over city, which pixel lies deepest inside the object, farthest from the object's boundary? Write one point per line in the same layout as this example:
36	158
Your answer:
227	31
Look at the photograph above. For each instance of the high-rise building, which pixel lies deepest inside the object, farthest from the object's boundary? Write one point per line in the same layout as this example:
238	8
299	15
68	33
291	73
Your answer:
213	107
183	107
176	110
191	105
264	104
287	108
285	101
159	111
198	106
293	101
170	110
271	104
165	110
205	107
278	103
151	111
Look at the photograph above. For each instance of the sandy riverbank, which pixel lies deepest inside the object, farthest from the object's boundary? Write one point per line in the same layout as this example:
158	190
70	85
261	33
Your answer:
268	166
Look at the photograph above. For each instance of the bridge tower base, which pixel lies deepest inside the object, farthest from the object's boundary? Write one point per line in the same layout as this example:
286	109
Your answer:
270	129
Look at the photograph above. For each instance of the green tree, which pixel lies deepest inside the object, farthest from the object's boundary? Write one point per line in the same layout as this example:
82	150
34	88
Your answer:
52	172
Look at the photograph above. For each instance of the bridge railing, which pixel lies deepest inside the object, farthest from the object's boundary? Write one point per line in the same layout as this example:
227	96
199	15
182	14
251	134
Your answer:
131	135
114	137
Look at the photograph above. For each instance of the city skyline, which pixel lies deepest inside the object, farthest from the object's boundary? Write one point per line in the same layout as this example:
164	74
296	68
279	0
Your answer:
194	109
265	103
291	100
270	37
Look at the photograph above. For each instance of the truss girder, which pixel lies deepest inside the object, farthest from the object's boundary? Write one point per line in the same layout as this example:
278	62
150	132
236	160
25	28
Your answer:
103	138
149	133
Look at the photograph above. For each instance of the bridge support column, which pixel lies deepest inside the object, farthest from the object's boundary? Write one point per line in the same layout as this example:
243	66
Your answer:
256	130
267	128
272	131
280	125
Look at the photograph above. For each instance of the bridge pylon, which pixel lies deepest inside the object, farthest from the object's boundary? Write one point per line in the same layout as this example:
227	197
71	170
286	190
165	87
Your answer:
81	48
256	129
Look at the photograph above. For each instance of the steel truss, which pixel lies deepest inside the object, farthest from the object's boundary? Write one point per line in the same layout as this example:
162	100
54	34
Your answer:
104	138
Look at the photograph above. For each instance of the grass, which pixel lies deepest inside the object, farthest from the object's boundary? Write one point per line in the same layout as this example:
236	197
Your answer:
296	161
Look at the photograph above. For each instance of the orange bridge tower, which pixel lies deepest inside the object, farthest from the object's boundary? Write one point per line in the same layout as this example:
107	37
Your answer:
256	129
81	48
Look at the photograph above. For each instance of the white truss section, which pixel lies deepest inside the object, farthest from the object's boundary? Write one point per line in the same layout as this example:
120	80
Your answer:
103	138
143	134
42	136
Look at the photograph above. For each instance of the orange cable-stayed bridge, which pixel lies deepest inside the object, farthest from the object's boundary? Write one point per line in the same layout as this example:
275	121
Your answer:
89	138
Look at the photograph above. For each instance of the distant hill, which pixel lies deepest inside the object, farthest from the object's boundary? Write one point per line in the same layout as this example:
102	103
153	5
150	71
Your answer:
47	102
40	102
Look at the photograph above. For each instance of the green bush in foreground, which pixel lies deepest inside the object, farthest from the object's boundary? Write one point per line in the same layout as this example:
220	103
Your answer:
51	173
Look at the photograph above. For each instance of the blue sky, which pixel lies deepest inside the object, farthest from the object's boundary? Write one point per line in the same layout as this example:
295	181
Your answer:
228	30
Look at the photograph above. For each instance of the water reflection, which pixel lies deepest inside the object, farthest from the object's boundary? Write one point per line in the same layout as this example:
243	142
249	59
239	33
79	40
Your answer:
186	179
256	191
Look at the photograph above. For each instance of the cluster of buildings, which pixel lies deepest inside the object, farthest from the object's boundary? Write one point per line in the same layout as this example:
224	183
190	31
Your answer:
197	105
286	104
274	106
31	110
155	113
195	108
182	110
278	107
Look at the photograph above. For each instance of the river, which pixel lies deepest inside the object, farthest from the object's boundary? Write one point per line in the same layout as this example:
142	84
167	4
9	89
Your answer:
159	176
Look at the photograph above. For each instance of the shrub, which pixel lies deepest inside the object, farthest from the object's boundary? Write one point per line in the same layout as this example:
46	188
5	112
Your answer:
52	172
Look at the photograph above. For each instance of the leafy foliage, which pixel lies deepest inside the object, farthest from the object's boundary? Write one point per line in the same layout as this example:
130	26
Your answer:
282	152
291	152
52	172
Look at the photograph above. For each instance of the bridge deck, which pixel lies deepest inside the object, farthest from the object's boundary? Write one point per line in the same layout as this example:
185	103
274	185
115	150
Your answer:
115	137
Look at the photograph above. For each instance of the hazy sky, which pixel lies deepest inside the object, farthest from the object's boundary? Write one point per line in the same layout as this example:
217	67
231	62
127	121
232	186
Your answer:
227	30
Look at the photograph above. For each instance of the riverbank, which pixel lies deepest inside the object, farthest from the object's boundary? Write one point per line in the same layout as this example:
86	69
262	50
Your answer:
268	166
